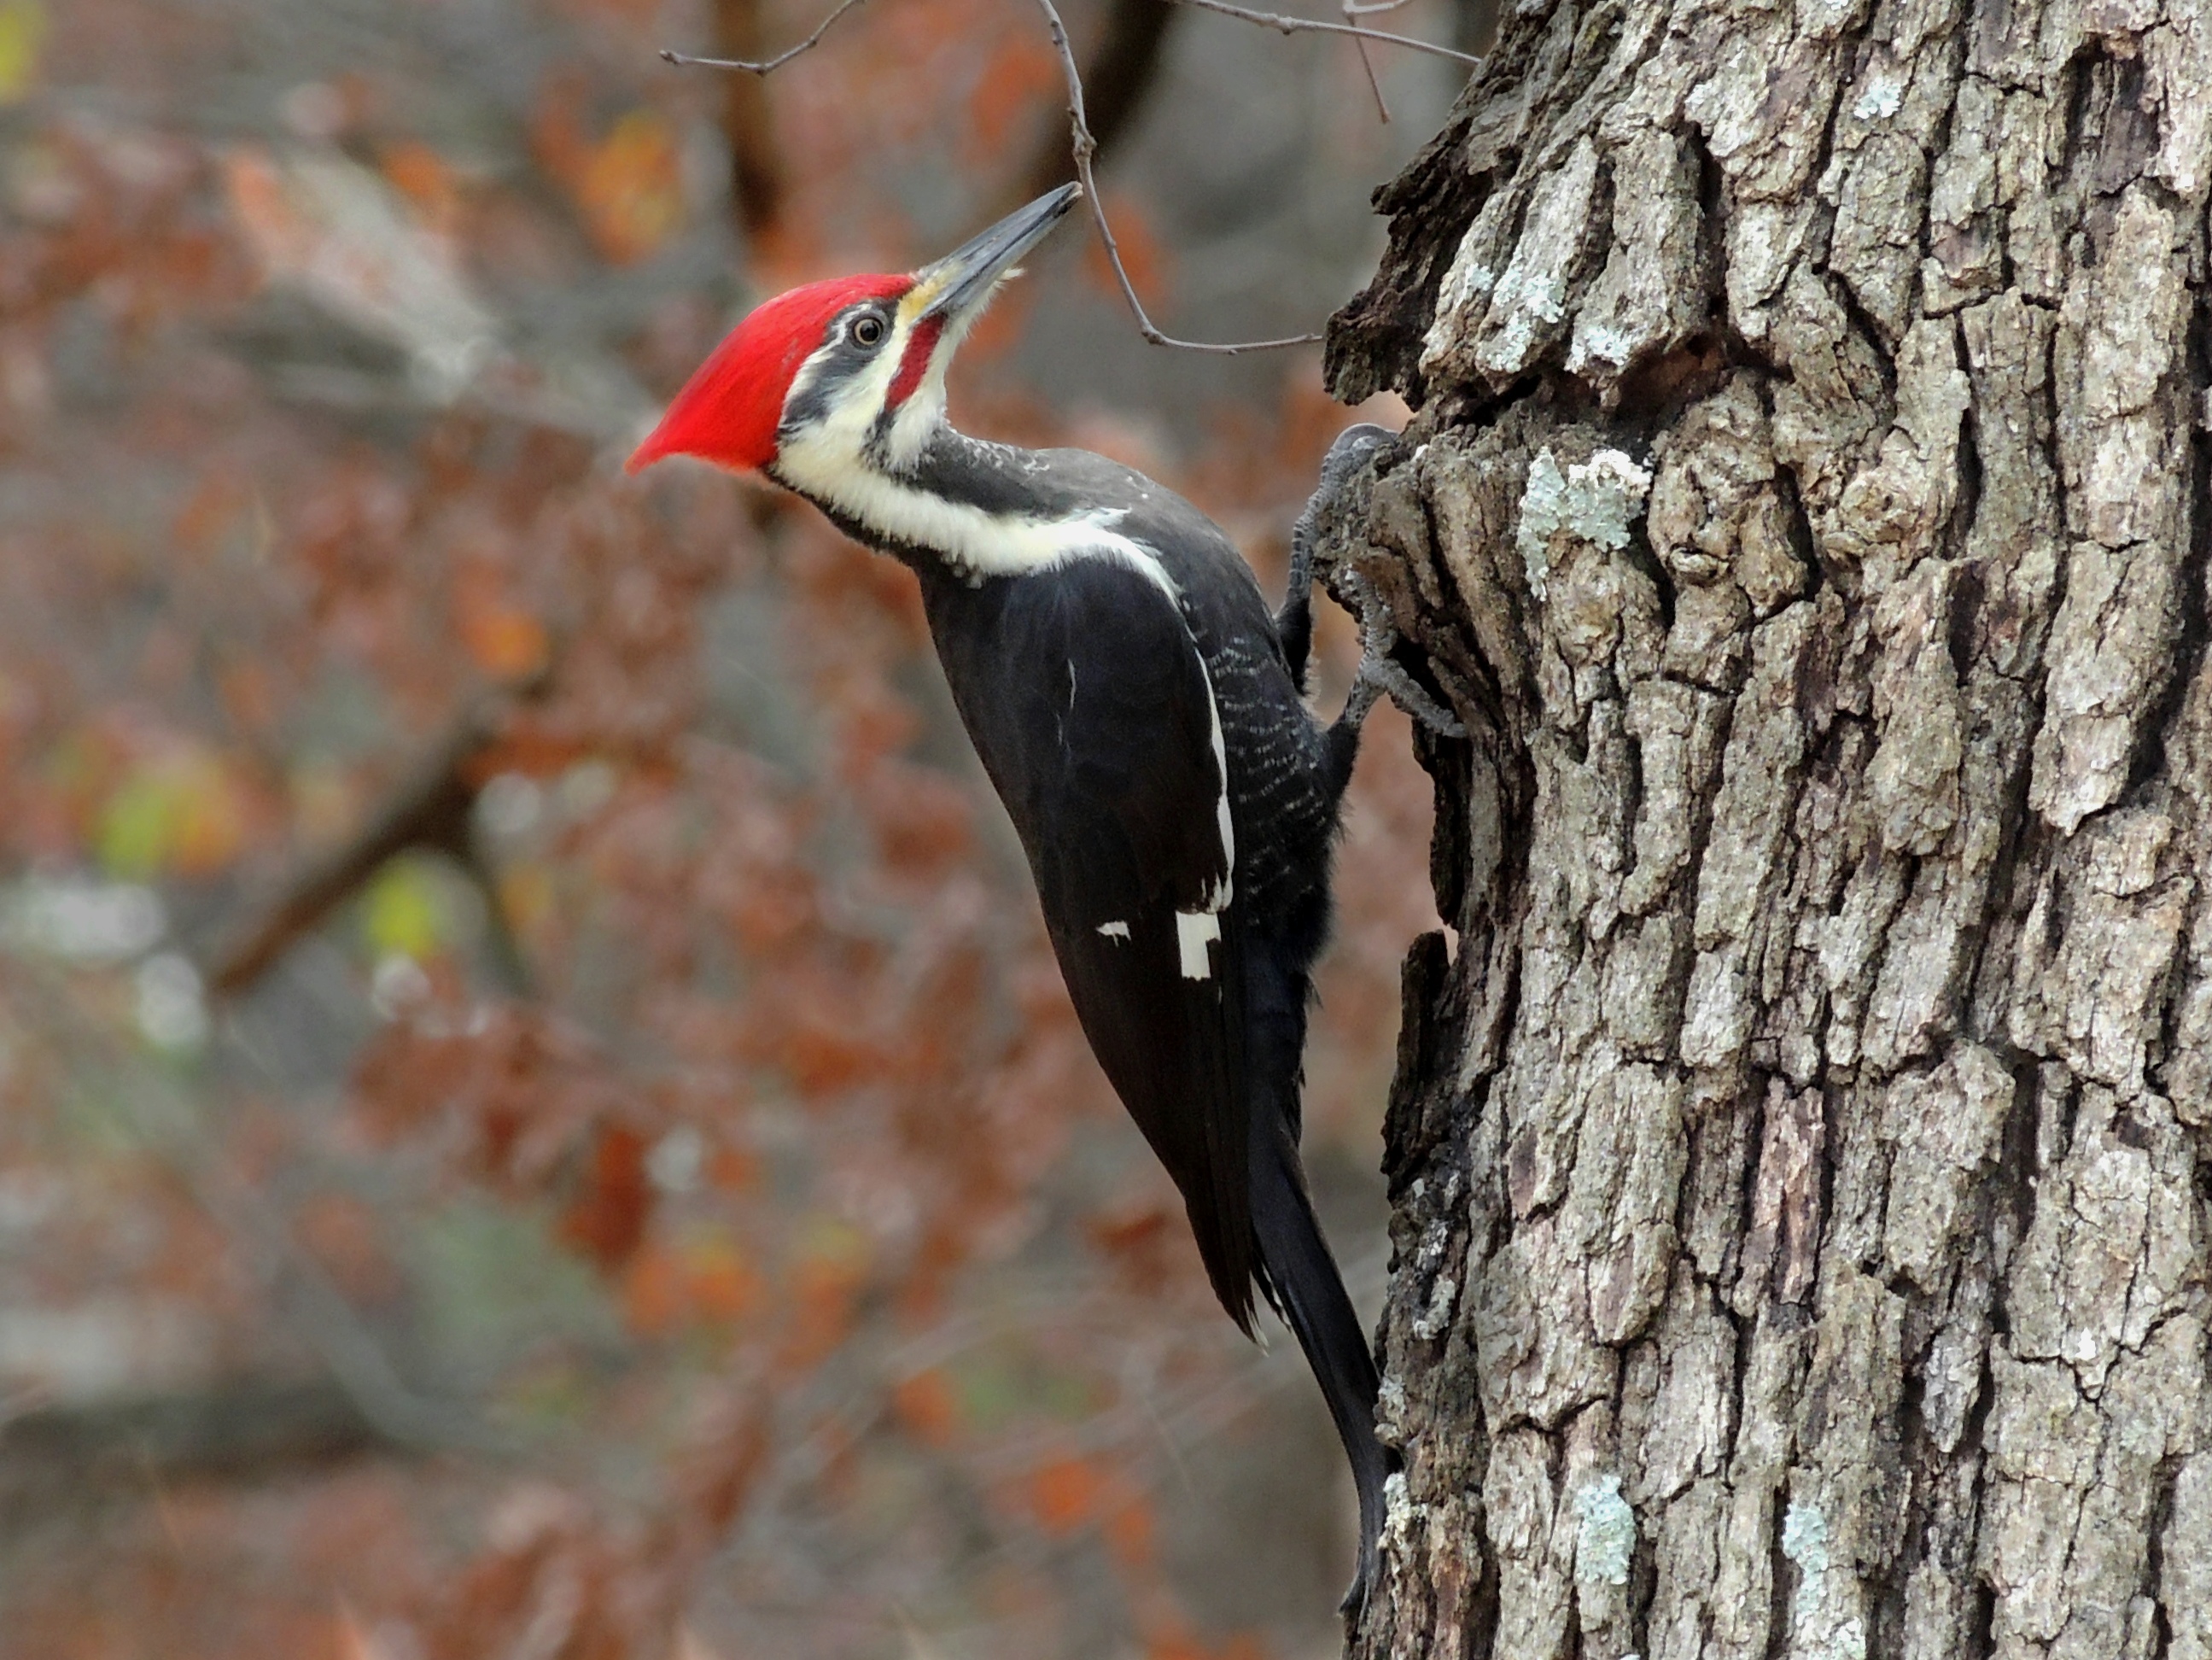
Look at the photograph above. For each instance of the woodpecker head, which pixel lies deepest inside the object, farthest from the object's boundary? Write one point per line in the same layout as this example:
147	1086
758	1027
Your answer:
846	377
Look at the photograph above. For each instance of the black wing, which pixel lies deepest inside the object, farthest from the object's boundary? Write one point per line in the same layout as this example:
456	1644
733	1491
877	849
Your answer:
1089	702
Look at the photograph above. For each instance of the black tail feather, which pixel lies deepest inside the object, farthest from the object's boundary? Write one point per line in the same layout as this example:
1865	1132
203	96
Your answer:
1308	1291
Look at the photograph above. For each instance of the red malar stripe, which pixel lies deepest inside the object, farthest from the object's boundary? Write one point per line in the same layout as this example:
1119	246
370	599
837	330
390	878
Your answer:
915	363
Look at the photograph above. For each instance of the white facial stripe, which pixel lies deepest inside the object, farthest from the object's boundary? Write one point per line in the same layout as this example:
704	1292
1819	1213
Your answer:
851	411
823	462
1113	930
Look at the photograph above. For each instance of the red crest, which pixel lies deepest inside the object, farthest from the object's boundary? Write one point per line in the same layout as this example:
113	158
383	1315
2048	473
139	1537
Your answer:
728	410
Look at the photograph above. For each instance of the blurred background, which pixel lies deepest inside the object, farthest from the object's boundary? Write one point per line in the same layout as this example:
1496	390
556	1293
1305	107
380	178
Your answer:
537	1118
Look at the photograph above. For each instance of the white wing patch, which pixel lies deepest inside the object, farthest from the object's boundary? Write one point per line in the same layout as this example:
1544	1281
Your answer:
1113	930
1194	932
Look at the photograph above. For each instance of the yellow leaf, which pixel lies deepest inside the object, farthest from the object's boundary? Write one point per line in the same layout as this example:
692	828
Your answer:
181	814
402	913
632	189
22	34
138	826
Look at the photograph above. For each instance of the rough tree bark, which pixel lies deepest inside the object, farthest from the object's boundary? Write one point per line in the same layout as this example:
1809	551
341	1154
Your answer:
1803	1141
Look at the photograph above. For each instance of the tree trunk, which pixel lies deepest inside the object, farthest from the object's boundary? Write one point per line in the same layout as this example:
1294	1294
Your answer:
1803	1140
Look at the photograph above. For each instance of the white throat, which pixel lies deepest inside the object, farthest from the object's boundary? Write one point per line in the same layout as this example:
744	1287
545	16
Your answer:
832	464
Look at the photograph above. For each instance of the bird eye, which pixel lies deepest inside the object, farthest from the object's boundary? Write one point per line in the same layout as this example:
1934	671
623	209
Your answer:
867	331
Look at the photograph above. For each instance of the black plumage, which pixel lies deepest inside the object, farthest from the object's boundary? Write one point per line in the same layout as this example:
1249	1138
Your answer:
1084	686
1142	715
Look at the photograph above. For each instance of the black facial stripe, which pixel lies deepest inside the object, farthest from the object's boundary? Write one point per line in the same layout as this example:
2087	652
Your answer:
843	359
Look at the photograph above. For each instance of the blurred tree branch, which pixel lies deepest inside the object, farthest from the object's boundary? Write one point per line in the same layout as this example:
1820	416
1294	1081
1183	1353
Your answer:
240	1428
430	808
756	178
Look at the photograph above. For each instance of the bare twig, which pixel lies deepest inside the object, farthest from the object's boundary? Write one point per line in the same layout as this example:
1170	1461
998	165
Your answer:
1084	142
1125	58
1364	9
1373	83
1283	25
1085	147
766	65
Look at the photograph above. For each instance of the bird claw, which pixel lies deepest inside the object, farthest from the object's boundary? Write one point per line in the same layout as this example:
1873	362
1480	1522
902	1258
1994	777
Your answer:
1380	672
1346	454
1294	623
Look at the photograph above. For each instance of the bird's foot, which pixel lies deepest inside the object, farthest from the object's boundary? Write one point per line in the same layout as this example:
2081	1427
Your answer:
1380	672
1294	623
1346	455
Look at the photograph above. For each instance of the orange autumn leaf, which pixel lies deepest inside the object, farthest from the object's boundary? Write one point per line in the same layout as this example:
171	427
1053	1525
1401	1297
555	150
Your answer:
652	1292
704	1279
422	175
631	188
1129	1530
821	1054
1015	79
606	1220
824	1288
732	1169
505	643
257	201
212	826
927	1407
1066	1493
627	187
723	1286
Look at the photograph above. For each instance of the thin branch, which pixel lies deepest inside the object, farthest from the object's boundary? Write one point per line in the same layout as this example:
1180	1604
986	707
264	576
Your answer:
1284	25
1125	58
1085	143
1353	9
1085	147
766	65
1374	81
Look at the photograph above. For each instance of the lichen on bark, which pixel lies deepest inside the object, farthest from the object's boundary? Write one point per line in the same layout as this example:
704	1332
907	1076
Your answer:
1801	1144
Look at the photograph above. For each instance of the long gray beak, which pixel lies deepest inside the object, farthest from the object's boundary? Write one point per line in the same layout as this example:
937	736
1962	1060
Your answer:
969	271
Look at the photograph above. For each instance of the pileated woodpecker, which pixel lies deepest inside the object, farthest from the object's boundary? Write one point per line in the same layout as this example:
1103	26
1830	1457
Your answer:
1142	716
